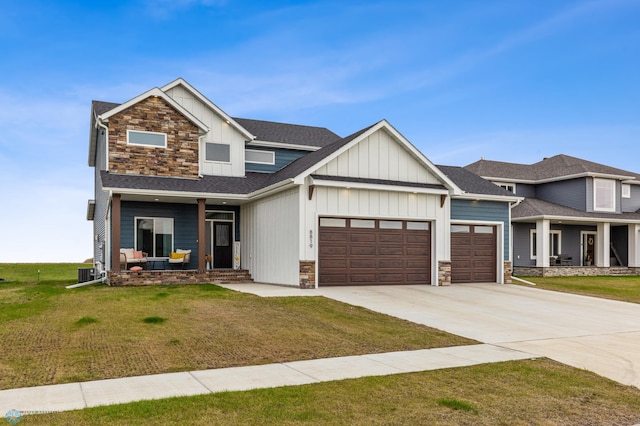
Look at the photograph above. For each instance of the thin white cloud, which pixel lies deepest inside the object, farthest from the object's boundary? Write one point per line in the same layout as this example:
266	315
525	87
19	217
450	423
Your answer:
163	9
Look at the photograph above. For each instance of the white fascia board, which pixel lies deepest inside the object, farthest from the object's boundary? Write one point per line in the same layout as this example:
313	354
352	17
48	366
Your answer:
159	93
226	117
569	219
282	145
486	197
276	187
177	194
558	178
377	187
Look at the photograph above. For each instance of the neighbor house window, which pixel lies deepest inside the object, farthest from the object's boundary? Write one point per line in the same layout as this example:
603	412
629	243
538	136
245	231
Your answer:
511	187
259	157
555	243
154	236
139	137
218	152
604	191
626	190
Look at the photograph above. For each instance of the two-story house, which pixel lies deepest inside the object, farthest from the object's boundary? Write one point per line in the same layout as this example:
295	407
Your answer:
290	204
575	213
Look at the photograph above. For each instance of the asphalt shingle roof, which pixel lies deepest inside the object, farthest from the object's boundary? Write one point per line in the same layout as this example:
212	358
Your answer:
534	207
471	183
550	168
269	131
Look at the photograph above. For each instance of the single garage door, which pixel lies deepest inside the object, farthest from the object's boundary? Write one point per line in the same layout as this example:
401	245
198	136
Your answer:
373	251
473	254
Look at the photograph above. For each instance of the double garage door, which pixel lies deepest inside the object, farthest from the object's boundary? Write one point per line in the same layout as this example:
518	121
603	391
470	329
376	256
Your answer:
373	251
473	254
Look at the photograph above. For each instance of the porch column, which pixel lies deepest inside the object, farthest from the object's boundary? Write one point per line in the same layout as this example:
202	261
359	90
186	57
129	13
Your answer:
542	243
115	232
201	234
634	246
603	245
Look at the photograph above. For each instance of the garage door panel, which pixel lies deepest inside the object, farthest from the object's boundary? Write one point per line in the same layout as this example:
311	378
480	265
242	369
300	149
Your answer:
473	253
355	255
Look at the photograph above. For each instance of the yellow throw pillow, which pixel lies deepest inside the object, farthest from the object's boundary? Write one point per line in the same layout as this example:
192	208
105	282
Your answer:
175	255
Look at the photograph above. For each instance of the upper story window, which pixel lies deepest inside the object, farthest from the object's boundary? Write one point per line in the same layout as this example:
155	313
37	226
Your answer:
217	152
139	137
626	190
511	187
259	157
604	195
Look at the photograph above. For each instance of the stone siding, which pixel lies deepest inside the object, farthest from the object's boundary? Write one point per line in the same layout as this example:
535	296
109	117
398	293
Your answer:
444	273
168	277
507	272
307	274
179	158
572	271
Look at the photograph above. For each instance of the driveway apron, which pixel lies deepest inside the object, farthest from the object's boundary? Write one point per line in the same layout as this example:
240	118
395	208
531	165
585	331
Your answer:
595	334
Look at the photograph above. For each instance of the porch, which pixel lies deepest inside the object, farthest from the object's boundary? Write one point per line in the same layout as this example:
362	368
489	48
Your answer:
178	276
573	271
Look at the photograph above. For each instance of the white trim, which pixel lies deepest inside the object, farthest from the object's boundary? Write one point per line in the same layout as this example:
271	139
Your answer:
532	236
506	184
560	178
377	187
135	232
271	163
626	190
158	93
216	161
129	131
233	232
225	117
612	183
283	145
582	247
487	197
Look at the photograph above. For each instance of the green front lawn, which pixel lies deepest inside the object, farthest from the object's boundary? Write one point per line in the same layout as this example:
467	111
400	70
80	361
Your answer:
534	392
626	289
53	335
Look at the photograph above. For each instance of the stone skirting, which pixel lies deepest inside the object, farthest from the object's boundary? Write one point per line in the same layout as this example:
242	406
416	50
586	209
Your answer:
573	271
444	273
169	277
507	272
307	274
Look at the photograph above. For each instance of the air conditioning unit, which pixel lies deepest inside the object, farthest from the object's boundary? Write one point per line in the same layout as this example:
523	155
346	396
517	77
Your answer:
85	274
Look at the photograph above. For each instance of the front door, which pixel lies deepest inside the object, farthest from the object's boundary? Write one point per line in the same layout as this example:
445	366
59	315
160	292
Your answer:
222	244
588	248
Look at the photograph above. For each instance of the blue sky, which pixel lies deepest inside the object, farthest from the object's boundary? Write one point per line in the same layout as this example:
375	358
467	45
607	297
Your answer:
505	80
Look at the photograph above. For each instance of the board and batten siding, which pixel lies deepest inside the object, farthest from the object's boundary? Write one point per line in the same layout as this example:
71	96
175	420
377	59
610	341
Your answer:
282	158
483	211
364	203
219	132
570	193
101	199
379	156
270	238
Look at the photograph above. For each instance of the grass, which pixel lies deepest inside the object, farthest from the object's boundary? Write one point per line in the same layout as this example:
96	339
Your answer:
53	335
532	392
623	288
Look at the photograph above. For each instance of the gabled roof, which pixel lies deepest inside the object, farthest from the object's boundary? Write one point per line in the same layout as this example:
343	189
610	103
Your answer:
471	183
534	208
288	134
558	167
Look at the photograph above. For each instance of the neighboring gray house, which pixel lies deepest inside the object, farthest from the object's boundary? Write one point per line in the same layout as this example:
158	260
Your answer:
575	213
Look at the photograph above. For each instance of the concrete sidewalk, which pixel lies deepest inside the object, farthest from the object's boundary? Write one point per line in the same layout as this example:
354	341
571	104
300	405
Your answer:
73	396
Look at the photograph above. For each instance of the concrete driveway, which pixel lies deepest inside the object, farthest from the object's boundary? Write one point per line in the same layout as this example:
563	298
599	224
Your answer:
599	335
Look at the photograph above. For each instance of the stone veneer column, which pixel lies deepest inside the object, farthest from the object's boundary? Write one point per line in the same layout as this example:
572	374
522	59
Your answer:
444	273
507	272
115	232
307	274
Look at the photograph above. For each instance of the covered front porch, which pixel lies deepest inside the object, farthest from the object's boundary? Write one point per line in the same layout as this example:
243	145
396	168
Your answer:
566	246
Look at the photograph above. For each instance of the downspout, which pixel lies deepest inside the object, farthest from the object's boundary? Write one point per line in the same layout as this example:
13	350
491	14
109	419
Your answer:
102	279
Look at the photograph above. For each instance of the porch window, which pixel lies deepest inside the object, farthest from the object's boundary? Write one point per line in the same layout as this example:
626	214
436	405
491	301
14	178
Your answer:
154	236
153	139
604	191
555	243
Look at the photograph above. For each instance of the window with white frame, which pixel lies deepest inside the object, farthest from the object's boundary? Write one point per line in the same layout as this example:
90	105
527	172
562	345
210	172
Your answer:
256	156
143	138
217	152
604	195
154	236
511	187
626	190
555	243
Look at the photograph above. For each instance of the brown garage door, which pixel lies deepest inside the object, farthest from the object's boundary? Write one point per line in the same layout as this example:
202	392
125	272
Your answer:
473	254
373	251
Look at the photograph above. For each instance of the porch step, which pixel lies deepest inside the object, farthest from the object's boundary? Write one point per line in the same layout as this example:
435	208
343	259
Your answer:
230	276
